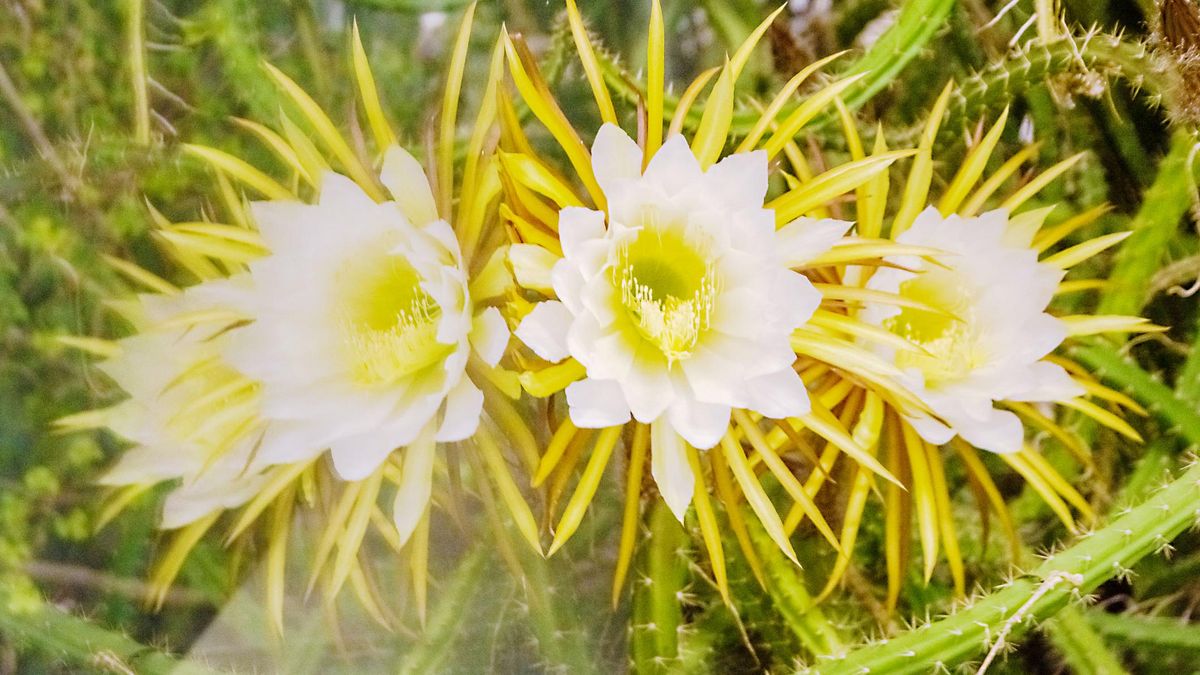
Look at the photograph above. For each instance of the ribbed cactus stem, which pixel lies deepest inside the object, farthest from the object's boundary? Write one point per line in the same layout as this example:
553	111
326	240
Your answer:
1092	56
452	608
1156	224
658	592
80	645
786	587
1146	632
1123	373
1062	579
1084	650
918	22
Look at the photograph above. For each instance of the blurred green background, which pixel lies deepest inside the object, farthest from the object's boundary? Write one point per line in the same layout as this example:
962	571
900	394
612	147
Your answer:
75	180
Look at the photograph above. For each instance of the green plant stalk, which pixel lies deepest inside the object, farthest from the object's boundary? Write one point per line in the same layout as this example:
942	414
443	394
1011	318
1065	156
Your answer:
80	644
1061	580
919	20
658	586
916	25
1154	226
1083	649
134	25
775	643
452	607
785	586
1187	384
1146	632
561	639
1004	81
1122	373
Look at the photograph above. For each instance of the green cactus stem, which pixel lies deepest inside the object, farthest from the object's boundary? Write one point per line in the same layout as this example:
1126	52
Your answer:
1093	56
1147	632
451	609
789	595
658	591
1083	649
1156	224
37	626
987	623
1122	373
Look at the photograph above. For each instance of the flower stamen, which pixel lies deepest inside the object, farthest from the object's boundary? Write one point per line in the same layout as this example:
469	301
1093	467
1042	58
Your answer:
668	287
389	322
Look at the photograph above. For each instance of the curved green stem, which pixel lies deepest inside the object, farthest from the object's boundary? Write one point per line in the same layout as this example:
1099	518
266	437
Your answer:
1154	226
987	622
82	645
1122	373
919	20
1065	578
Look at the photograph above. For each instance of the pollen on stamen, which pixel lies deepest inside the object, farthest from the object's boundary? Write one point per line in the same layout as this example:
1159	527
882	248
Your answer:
670	304
383	356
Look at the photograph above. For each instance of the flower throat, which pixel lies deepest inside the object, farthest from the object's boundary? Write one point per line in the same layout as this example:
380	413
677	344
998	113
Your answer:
668	288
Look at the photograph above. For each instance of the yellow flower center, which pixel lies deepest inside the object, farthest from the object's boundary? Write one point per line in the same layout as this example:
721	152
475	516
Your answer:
668	288
945	335
388	322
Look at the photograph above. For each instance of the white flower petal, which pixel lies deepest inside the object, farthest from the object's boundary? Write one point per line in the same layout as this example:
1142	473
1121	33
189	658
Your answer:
214	490
648	387
286	441
1001	432
778	395
489	335
464	405
931	430
595	404
544	330
701	424
1044	381
150	464
669	467
714	377
795	299
340	194
532	267
577	225
416	485
738	181
806	238
615	157
441	232
356	457
674	169
403	176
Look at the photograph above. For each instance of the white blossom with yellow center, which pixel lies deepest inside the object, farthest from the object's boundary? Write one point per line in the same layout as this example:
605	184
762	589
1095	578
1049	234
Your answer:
986	342
180	430
363	323
356	331
679	302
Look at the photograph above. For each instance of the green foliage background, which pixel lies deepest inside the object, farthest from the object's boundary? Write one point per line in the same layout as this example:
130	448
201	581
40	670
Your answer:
74	180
